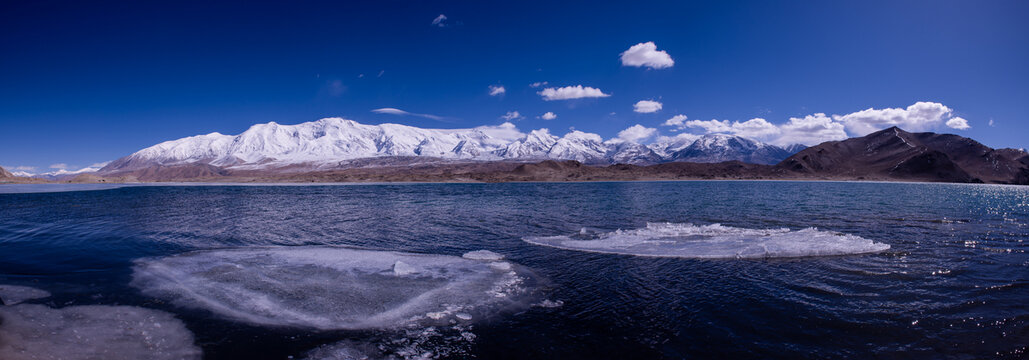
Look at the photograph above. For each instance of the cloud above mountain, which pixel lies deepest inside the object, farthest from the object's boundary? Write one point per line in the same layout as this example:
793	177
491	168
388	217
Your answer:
818	127
395	111
647	55
571	92
636	133
920	116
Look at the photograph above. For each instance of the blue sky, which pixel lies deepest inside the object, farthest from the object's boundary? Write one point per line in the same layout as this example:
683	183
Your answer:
87	82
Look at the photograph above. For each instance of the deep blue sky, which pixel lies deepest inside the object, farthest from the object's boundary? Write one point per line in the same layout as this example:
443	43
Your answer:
85	82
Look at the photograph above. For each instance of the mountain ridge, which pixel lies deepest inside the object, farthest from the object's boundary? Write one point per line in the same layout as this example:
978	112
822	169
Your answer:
325	143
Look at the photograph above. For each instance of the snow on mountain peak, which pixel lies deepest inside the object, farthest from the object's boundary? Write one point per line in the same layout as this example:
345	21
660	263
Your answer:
329	141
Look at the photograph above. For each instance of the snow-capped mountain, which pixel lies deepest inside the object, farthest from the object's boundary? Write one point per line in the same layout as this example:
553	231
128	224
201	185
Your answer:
329	142
720	147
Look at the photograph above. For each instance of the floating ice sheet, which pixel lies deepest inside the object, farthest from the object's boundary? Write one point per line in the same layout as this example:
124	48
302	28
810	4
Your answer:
331	287
714	242
29	331
14	294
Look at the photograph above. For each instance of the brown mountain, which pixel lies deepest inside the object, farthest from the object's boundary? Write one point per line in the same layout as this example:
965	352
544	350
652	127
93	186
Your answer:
5	174
895	154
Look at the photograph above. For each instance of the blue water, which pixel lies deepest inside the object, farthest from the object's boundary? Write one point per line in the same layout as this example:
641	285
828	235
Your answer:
954	282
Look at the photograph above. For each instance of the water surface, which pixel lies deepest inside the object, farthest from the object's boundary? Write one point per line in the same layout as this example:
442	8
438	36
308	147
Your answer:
952	283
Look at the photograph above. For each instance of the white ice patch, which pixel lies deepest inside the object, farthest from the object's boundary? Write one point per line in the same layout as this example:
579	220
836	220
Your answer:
330	287
29	331
714	242
14	294
483	255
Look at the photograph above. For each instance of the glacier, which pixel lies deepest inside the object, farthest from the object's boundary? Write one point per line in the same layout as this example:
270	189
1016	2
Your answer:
331	142
715	241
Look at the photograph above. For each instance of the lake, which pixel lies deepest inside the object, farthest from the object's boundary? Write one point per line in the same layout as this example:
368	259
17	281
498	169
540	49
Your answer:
710	269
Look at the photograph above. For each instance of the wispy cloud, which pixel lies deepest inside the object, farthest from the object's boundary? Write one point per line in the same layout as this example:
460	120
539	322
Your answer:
440	21
512	115
59	166
395	111
496	90
571	92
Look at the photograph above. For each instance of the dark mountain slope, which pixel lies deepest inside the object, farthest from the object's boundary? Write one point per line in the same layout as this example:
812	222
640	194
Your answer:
896	154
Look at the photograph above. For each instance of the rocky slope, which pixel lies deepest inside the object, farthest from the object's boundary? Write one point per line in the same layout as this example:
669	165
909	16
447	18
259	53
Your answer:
895	154
5	174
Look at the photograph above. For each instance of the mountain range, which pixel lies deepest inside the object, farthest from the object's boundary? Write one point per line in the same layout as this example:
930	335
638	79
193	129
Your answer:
339	150
332	143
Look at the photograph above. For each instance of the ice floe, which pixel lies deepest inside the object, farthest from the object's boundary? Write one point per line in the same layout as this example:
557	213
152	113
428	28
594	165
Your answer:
325	287
30	331
713	242
14	294
483	255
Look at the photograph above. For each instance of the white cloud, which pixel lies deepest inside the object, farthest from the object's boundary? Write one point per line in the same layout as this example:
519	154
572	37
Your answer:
512	115
59	166
395	111
646	106
810	130
991	123
505	132
538	84
548	116
958	123
636	133
676	121
819	127
440	21
921	116
496	90
683	138
571	92
24	168
646	54
756	128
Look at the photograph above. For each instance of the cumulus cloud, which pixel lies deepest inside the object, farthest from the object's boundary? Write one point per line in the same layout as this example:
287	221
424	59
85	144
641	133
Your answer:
958	123
756	128
571	92
636	133
496	90
683	138
646	54
538	84
810	130
646	106
512	115
819	127
920	116
395	111
548	116
440	21
505	132
676	121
